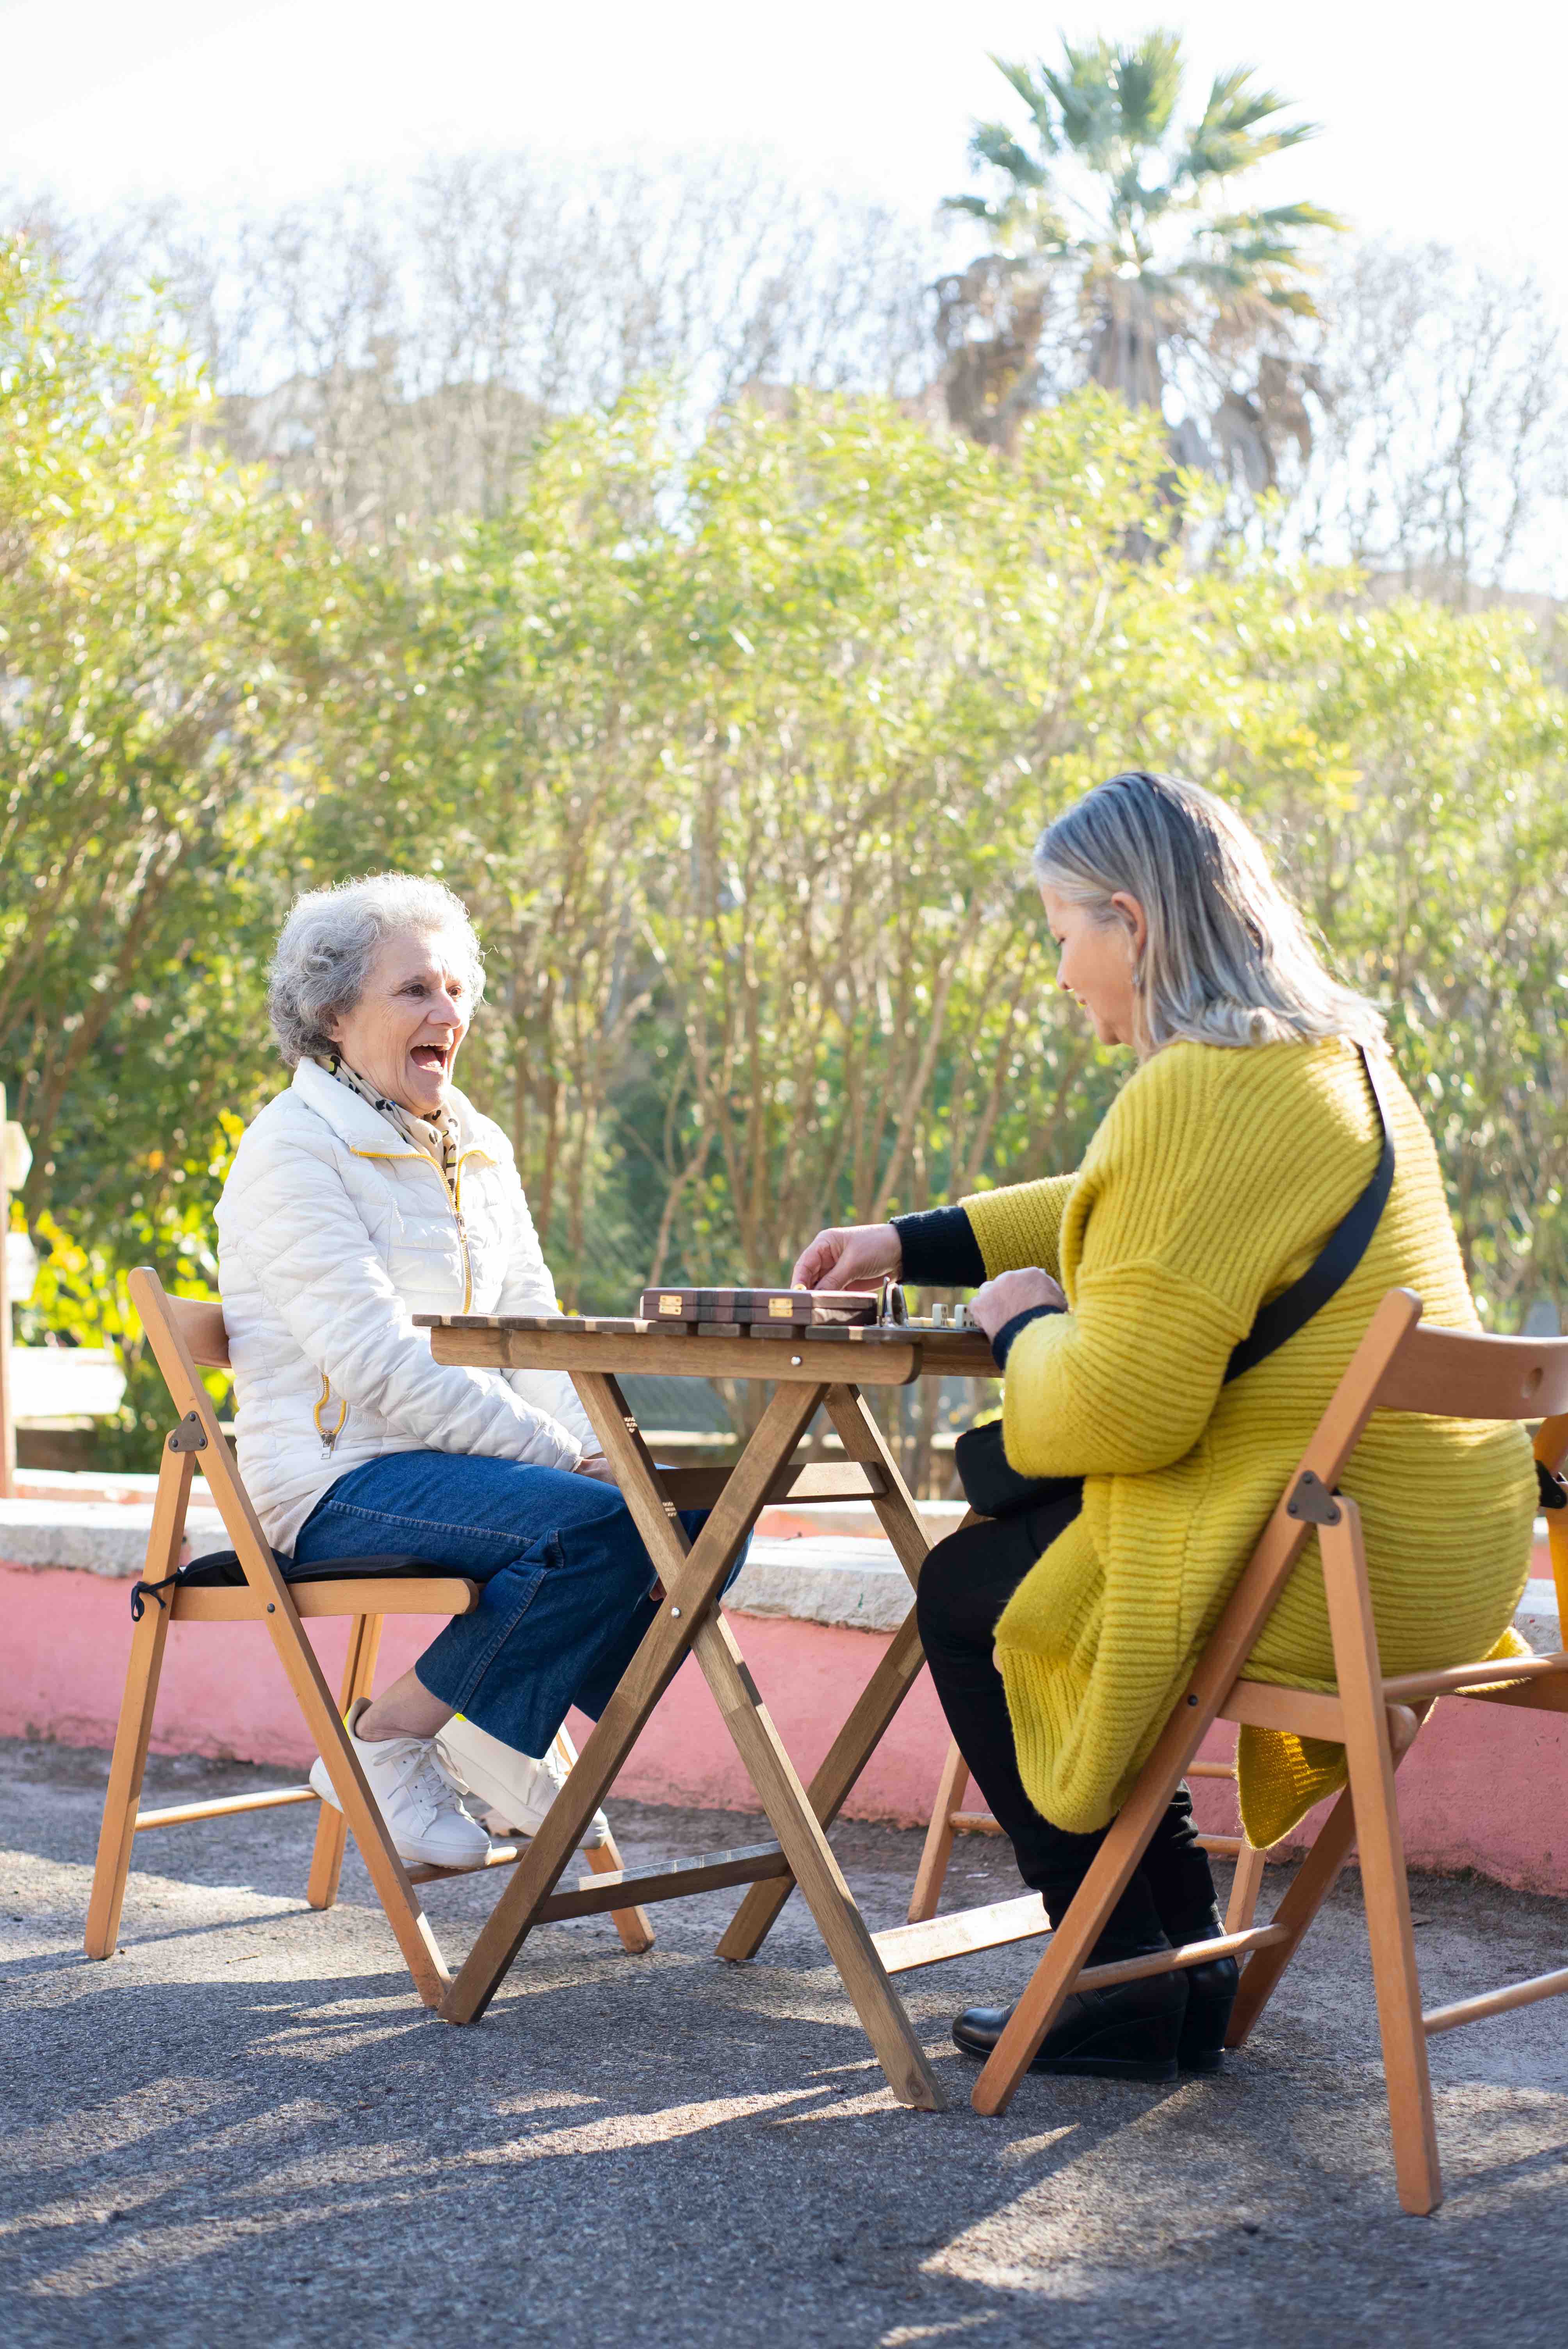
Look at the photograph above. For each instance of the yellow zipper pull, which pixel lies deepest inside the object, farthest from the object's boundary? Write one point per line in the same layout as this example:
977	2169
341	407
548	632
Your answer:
329	1436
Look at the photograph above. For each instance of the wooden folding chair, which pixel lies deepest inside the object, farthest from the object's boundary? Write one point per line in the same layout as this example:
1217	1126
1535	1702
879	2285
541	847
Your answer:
950	1818
186	1336
1400	1365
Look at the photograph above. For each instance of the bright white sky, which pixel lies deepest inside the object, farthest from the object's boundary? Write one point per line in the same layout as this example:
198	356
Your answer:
1439	119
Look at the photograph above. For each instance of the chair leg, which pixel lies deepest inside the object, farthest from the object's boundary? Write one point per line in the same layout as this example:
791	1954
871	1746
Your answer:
1245	1886
126	1771
332	1827
1312	1882
128	1764
937	1850
1385	1887
1309	1888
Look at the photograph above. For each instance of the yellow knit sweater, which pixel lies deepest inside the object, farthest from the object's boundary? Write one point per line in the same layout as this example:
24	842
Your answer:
1211	1186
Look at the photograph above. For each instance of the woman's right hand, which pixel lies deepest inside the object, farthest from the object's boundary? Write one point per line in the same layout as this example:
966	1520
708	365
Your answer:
855	1256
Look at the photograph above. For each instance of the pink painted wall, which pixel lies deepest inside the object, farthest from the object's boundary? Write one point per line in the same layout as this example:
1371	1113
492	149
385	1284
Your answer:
1485	1788
223	1694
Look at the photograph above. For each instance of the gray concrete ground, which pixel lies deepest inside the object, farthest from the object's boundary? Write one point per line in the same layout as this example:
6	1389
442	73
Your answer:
245	2129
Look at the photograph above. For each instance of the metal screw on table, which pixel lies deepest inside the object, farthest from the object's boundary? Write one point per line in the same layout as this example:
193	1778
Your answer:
677	1613
795	1361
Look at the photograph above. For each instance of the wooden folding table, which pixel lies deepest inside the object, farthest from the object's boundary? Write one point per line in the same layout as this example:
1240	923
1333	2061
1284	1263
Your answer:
805	1368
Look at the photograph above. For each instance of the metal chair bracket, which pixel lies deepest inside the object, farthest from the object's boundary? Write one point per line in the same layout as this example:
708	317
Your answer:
1312	1500
188	1435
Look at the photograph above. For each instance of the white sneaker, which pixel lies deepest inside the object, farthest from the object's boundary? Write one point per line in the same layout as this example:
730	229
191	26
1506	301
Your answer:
421	1807
518	1789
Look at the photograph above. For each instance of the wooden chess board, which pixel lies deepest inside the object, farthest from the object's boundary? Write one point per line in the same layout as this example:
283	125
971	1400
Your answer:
774	1308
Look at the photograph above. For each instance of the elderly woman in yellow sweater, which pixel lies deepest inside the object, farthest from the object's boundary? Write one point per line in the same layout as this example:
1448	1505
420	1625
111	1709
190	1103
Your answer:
1115	1298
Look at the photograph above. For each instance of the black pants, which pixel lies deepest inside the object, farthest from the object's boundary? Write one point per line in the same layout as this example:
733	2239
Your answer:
965	1584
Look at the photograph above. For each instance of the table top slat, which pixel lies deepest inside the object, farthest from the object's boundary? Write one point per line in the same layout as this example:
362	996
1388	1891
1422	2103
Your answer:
884	1354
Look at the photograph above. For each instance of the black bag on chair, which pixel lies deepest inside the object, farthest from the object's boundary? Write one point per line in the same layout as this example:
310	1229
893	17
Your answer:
991	1486
995	1489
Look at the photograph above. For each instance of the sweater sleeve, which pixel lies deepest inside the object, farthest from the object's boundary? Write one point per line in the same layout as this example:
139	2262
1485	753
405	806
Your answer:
940	1250
1022	1226
1124	1383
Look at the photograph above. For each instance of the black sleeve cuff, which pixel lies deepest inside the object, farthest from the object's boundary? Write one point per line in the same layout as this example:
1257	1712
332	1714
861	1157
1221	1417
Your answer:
940	1250
1001	1342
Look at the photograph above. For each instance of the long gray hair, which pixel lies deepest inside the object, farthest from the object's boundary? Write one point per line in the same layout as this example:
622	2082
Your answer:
1227	960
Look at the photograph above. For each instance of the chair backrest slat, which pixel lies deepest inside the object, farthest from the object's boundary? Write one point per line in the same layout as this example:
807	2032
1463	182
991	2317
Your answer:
165	1329
1457	1374
200	1322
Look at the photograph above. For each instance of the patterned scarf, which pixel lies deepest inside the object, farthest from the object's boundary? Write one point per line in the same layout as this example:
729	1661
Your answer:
437	1137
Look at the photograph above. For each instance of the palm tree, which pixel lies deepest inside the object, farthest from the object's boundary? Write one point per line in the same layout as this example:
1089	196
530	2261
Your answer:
1117	252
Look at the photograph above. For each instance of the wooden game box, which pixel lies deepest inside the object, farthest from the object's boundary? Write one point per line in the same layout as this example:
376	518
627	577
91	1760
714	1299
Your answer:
761	1308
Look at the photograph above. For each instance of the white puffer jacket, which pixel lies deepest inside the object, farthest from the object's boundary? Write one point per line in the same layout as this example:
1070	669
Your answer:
332	1233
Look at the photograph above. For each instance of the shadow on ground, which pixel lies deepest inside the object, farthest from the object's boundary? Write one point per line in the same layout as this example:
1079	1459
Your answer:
244	2128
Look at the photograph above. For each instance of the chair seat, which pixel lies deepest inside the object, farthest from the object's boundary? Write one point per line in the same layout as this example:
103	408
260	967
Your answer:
220	1570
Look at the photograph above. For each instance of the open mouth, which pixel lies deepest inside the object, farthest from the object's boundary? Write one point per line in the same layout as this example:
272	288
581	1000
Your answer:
437	1059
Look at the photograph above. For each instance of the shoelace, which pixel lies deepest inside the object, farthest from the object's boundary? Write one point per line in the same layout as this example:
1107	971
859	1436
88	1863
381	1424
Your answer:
417	1774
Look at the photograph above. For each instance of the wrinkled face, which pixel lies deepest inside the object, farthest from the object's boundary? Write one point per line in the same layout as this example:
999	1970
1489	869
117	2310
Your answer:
1098	961
403	1034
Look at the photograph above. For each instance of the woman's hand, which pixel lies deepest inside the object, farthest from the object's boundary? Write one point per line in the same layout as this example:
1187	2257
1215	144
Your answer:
594	1464
856	1256
1010	1293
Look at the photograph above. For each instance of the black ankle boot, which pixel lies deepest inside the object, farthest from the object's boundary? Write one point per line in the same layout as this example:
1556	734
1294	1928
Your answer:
1210	1994
1130	2031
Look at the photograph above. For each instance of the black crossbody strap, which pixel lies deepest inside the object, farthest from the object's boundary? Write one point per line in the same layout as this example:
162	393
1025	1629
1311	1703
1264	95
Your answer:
1335	1260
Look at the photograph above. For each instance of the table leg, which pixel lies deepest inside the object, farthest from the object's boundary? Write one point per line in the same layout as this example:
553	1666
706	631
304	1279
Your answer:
805	1845
852	1748
896	1511
689	1619
693	1579
883	1693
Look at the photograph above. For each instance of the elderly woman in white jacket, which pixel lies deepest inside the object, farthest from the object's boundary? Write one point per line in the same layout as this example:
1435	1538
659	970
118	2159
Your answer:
371	1190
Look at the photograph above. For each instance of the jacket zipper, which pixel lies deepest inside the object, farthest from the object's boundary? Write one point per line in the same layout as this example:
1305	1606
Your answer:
454	1200
329	1436
453	1192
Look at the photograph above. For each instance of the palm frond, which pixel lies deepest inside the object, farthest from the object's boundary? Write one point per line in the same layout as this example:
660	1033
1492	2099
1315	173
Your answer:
1283	216
1019	79
1148	84
993	143
1085	93
1234	105
1227	139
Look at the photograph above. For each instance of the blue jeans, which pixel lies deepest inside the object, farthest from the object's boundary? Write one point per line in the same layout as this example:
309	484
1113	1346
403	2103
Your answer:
567	1579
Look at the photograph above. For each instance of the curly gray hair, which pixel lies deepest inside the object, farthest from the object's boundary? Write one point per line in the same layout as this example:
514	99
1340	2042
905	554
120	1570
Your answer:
329	941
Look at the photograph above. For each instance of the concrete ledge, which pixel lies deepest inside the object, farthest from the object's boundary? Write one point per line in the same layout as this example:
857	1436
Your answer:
800	1566
859	1583
106	1538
